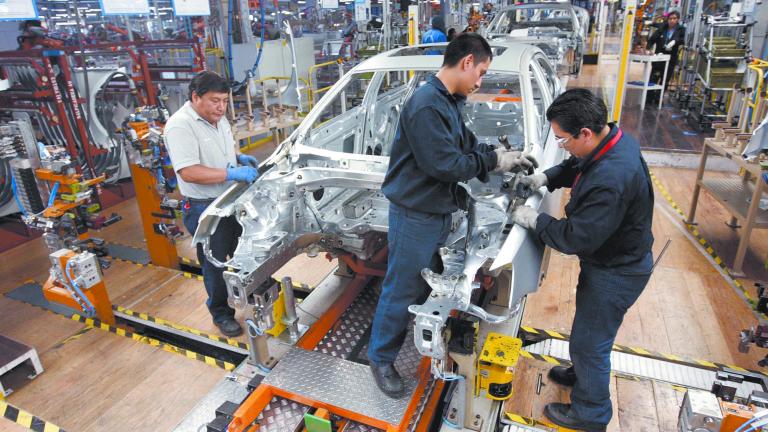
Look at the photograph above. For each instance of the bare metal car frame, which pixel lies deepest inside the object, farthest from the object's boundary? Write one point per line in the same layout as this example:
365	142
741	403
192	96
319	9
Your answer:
313	199
564	48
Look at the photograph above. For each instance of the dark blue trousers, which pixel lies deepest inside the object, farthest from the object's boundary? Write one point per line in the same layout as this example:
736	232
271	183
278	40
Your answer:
414	239
223	243
603	296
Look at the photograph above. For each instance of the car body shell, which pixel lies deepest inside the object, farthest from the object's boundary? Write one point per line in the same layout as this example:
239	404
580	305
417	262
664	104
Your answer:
313	197
564	47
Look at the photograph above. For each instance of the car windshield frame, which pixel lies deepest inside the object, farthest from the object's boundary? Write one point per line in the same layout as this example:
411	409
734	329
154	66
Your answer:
315	121
503	23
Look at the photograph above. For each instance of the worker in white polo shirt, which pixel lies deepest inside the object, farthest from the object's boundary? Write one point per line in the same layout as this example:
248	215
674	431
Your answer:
207	160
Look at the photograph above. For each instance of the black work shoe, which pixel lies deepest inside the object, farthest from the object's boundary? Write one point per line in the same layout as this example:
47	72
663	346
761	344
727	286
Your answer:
563	375
388	380
229	327
562	415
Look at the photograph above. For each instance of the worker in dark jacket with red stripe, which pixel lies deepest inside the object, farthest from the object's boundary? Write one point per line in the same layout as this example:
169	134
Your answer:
607	224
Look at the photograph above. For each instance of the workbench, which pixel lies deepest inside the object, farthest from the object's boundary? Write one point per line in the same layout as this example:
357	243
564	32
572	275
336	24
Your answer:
739	195
647	60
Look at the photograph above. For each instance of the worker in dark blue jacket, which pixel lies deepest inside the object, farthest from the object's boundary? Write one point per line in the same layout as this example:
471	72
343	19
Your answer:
433	151
607	225
437	33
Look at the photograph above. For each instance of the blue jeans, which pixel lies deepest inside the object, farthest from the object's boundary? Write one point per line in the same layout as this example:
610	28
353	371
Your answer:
222	243
603	296
414	239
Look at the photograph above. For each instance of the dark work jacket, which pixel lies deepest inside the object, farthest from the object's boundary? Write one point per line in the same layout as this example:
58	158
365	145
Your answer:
433	150
608	218
659	38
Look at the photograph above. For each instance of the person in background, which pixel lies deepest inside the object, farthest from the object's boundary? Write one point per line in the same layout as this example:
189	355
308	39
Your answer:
668	39
488	12
349	37
451	34
437	33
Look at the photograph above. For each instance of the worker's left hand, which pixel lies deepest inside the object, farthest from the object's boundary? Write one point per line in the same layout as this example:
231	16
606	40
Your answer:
511	160
670	45
525	217
247	160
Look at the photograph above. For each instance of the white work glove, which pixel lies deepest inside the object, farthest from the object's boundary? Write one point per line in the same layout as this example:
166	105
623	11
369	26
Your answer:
508	160
525	217
669	45
533	182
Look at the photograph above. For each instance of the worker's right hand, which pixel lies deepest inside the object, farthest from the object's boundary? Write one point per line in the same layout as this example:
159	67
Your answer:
532	182
245	174
514	160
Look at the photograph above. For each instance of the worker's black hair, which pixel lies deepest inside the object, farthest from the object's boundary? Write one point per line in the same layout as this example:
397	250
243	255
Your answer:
465	44
675	13
576	109
27	24
208	81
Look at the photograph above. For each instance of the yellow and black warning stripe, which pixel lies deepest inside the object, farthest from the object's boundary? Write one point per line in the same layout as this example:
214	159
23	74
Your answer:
189	262
186	274
539	334
192	276
91	322
527	421
166	323
25	419
97	324
708	248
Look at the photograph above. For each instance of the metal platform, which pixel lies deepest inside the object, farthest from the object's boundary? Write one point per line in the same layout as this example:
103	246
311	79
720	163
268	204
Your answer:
13	354
281	415
349	338
337	382
643	367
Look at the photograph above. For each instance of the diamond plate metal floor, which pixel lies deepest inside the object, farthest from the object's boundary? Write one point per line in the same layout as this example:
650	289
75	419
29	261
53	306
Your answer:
349	338
359	427
659	370
346	336
281	415
337	382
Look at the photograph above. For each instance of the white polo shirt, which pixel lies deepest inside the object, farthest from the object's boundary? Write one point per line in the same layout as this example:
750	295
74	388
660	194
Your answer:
192	140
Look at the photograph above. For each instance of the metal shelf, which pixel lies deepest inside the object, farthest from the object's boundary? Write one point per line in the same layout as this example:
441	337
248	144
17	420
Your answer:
641	87
735	195
706	84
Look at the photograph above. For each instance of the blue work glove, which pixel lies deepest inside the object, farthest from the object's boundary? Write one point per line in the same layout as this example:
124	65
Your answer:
245	174
247	160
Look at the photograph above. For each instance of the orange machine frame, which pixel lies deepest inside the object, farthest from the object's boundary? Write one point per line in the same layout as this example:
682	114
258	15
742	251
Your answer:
252	406
162	250
66	185
97	294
